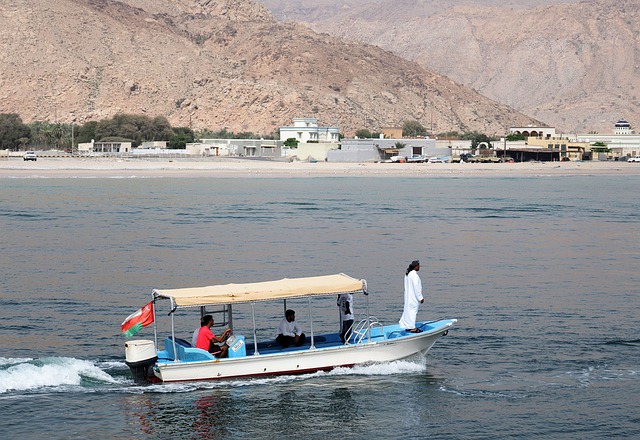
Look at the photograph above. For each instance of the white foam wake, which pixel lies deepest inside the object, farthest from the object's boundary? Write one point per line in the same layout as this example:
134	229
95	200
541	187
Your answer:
31	374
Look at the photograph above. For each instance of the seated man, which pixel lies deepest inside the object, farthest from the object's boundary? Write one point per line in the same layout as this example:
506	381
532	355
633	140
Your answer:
196	332
289	332
209	342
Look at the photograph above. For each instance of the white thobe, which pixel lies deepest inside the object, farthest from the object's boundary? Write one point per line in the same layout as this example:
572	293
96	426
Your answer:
412	298
289	328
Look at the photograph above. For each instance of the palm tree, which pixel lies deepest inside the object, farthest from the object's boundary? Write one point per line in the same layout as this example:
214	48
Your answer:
58	133
23	142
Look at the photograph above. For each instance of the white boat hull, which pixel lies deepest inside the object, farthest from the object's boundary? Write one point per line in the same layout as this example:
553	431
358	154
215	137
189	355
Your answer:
304	361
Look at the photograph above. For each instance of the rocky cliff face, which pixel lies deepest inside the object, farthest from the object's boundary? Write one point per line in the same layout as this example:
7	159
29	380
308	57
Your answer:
215	64
573	64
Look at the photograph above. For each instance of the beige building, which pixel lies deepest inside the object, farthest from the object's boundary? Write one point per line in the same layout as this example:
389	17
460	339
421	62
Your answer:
566	148
311	151
391	132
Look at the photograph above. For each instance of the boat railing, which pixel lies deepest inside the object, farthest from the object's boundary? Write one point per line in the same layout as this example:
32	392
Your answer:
366	329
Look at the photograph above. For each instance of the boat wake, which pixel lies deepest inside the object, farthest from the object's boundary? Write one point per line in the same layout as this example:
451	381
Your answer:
24	376
55	374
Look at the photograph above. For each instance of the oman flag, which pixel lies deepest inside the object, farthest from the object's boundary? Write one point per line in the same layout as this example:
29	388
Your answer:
136	321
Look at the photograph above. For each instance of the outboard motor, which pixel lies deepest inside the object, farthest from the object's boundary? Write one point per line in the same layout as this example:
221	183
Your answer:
140	356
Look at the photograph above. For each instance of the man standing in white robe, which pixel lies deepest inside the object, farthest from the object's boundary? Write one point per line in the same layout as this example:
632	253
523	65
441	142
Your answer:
412	298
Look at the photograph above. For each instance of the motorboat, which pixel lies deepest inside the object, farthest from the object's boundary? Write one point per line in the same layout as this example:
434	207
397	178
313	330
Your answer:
370	341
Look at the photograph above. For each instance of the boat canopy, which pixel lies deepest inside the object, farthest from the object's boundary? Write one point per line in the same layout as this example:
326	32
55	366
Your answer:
262	291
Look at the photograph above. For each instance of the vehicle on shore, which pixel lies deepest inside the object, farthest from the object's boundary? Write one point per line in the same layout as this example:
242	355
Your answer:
417	159
635	159
30	155
369	341
441	159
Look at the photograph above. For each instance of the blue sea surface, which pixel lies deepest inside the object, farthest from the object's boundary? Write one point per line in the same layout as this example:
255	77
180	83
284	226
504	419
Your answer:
542	273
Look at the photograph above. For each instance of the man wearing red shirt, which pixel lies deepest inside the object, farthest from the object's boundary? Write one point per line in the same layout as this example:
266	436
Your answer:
208	341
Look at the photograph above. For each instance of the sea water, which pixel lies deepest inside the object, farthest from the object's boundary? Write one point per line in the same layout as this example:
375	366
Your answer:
542	273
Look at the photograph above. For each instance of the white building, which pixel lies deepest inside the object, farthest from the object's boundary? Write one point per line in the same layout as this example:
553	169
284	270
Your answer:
307	130
104	147
622	142
236	147
532	131
153	145
622	127
372	150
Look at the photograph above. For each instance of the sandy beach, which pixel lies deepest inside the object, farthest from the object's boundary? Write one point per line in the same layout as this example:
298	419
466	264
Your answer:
228	167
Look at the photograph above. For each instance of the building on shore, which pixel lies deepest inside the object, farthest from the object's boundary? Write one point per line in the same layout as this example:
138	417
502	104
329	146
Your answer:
259	148
375	150
391	132
560	148
534	132
113	147
306	130
622	142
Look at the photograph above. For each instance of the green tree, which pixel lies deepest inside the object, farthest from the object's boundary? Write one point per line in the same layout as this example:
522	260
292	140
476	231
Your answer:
477	140
86	132
449	135
600	147
23	143
413	129
137	128
363	133
180	137
515	137
291	142
12	129
57	131
40	134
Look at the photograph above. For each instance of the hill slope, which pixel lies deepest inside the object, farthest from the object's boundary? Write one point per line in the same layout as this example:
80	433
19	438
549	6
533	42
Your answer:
574	65
214	64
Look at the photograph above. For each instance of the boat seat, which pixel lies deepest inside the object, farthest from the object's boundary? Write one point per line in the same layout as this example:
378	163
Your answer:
273	344
180	341
190	354
186	352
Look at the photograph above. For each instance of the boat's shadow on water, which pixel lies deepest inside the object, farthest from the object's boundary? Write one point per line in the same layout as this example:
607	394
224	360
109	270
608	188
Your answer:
306	405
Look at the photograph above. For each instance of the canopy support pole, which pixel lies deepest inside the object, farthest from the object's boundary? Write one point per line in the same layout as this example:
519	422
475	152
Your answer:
255	336
313	346
155	325
173	337
366	300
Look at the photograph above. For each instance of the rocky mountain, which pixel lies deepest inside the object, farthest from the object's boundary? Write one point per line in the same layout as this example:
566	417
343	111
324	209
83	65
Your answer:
573	64
215	64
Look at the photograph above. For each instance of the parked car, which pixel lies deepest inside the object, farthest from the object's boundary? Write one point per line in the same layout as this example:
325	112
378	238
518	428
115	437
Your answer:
634	159
30	155
417	159
443	159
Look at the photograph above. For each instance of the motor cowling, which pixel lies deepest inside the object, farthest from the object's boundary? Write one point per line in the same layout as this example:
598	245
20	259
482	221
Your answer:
140	357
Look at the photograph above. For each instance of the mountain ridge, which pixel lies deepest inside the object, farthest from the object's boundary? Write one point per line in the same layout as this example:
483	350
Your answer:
216	64
573	64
